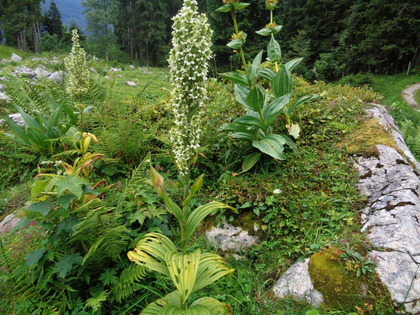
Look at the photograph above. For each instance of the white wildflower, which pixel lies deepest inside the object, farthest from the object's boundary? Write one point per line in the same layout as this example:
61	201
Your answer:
76	65
188	60
277	191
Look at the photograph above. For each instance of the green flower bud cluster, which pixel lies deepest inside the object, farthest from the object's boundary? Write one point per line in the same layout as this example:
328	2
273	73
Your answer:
76	65
188	61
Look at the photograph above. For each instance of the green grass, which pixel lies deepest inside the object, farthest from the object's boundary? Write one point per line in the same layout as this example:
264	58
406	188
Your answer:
417	96
391	86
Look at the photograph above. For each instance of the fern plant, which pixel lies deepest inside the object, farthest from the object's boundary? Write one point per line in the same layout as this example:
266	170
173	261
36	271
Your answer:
411	135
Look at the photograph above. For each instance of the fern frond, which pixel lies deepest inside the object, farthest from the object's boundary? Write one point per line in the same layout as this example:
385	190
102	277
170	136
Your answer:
127	285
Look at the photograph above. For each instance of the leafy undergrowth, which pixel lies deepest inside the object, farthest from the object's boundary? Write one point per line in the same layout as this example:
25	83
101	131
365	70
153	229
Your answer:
299	205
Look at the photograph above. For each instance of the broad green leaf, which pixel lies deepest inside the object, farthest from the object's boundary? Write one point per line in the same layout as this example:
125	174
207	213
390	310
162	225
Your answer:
19	131
292	64
183	270
42	208
53	121
65	200
274	50
236	43
254	67
266	31
250	121
225	8
290	143
257	98
72	184
199	214
271	111
241	93
212	267
155	308
243	135
272	145
312	312
33	257
37	187
30	122
172	207
65	265
240	5
214	306
302	100
236	77
267	74
282	82
151	250
194	189
276	29
249	161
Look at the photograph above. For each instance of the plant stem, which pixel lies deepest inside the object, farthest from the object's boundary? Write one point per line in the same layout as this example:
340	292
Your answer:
185	213
271	16
235	24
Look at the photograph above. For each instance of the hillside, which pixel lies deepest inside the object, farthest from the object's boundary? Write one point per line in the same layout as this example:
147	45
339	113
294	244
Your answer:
69	9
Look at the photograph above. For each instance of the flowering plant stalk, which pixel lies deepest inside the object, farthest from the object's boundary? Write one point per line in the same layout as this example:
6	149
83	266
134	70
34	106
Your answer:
76	65
189	272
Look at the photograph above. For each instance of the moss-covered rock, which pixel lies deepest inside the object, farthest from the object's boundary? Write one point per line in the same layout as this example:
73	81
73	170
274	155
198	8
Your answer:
337	281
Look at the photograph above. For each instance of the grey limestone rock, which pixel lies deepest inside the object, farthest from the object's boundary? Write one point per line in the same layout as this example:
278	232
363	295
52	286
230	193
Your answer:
296	282
41	72
18	119
391	183
230	237
131	83
16	58
25	71
4	98
57	76
8	223
3	87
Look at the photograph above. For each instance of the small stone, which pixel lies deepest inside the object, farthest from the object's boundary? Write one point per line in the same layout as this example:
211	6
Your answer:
3	87
118	76
93	70
18	119
3	79
57	77
41	73
297	283
230	237
25	71
131	83
16	58
8	223
107	77
131	67
4	98
115	69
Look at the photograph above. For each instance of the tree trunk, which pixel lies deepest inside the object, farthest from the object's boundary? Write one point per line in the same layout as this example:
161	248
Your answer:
35	38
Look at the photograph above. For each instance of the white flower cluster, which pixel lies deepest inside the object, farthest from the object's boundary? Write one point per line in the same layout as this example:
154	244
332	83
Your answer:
76	65
188	60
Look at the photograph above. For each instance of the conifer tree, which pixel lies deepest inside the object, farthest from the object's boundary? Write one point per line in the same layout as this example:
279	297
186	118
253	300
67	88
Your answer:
52	21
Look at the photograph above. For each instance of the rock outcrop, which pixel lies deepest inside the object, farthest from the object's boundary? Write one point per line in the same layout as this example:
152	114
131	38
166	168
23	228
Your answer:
390	181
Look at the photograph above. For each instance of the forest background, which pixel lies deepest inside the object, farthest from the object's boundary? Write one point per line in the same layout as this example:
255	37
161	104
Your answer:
336	38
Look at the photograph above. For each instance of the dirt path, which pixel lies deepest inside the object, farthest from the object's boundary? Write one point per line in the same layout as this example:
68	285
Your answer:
408	95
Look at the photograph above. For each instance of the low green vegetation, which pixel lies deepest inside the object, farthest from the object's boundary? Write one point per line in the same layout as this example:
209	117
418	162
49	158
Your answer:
120	183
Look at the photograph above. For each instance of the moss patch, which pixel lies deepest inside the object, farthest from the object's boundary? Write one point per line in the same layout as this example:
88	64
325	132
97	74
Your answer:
366	137
340	286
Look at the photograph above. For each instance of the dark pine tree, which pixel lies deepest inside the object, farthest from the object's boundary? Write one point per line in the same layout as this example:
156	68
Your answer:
52	21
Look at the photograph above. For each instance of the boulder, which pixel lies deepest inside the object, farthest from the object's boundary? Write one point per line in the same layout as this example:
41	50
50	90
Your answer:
131	83
41	73
57	77
229	237
115	69
3	79
25	71
297	283
16	58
